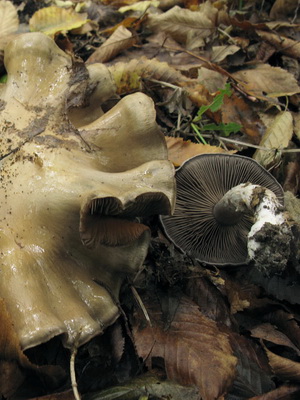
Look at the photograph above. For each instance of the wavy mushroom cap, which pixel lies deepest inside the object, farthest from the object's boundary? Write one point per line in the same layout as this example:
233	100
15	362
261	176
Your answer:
70	197
198	227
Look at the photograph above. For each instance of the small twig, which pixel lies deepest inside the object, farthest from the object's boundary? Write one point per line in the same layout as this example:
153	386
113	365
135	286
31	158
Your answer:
167	84
72	367
296	12
141	304
240	143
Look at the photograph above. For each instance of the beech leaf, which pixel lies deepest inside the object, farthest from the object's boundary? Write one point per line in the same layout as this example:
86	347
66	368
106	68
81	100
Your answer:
287	46
254	374
180	150
51	20
281	8
141	6
277	137
283	367
267	331
120	40
284	392
194	350
185	26
266	82
219	53
9	20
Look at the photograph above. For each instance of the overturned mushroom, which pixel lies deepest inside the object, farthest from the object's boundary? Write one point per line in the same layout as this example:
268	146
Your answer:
226	207
70	197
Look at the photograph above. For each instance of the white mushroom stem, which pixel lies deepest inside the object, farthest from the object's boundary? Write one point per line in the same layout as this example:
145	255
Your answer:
269	227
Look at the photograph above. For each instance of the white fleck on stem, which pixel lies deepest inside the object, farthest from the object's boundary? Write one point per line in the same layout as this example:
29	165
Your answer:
269	223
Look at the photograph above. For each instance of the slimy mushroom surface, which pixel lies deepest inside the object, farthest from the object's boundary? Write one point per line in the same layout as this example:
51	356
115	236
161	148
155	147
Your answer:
70	195
208	224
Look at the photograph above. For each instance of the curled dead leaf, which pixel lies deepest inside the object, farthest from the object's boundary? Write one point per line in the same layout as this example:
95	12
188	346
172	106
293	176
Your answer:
286	45
277	137
120	40
267	331
283	367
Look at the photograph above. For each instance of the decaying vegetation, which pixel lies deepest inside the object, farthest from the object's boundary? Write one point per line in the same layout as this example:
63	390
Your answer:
97	100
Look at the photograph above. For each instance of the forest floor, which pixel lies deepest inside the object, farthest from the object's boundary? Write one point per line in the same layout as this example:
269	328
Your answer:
224	77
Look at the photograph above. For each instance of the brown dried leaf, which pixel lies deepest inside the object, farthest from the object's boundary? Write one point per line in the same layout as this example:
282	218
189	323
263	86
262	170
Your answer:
212	80
277	136
120	40
282	8
210	300
254	375
235	109
282	288
180	150
129	22
269	332
266	82
296	117
68	395
219	53
194	350
185	26
244	294
283	367
283	44
284	392
286	323
291	181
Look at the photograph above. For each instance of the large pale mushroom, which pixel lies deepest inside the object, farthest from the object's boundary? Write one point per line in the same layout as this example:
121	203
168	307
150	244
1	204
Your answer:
69	196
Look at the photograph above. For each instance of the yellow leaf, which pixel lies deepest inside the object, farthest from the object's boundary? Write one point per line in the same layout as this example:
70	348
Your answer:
140	6
51	20
9	21
277	136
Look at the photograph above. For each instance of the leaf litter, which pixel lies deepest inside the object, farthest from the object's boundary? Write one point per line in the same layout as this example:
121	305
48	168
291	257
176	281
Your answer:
215	334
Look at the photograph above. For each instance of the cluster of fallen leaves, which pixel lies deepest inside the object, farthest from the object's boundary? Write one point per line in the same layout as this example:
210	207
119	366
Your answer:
188	331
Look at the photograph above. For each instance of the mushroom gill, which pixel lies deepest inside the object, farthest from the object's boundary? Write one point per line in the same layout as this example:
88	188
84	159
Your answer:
105	221
70	195
203	225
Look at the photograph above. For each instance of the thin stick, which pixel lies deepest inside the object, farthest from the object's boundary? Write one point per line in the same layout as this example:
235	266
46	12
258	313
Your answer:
245	144
72	368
